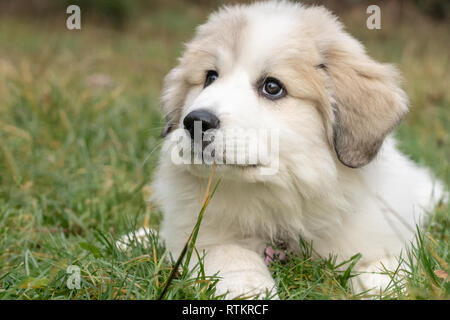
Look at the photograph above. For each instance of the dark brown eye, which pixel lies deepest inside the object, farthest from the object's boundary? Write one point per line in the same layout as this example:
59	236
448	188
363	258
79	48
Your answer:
273	89
211	76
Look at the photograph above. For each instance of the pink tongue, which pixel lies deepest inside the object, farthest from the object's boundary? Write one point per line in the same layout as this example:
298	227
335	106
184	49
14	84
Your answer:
270	254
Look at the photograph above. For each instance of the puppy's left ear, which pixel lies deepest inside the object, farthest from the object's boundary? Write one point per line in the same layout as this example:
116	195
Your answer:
368	102
172	98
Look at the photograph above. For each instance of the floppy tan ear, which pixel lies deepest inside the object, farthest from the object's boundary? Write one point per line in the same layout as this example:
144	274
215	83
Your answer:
172	99
368	102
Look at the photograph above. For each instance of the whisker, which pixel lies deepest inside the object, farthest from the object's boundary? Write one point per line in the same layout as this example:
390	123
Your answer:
151	152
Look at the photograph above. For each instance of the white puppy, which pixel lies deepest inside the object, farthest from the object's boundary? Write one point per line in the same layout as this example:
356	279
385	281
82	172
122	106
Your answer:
339	180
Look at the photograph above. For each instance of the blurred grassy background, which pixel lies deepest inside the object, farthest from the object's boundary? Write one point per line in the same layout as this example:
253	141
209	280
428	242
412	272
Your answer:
79	120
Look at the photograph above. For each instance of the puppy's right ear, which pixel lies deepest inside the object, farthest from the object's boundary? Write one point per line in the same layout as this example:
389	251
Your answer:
172	99
366	99
369	103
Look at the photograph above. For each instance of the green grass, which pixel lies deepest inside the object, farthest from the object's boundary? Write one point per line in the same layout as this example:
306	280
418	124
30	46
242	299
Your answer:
76	159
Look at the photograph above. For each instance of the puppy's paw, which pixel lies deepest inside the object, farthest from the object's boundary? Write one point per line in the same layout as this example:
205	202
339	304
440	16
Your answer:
372	283
246	284
378	277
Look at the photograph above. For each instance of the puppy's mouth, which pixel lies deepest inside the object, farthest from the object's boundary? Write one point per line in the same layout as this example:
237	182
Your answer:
227	171
232	155
202	156
242	166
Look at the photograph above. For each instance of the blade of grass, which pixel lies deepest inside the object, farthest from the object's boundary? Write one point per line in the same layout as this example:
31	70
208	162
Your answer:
192	237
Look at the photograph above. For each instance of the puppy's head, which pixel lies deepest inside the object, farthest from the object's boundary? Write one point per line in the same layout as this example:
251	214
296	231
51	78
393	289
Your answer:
283	67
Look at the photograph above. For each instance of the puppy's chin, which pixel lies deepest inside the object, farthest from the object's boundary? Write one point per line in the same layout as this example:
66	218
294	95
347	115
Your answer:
248	173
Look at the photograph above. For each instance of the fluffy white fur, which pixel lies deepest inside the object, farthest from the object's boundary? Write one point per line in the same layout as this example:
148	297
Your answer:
371	209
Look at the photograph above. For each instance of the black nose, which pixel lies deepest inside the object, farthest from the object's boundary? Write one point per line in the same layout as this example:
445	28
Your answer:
208	121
